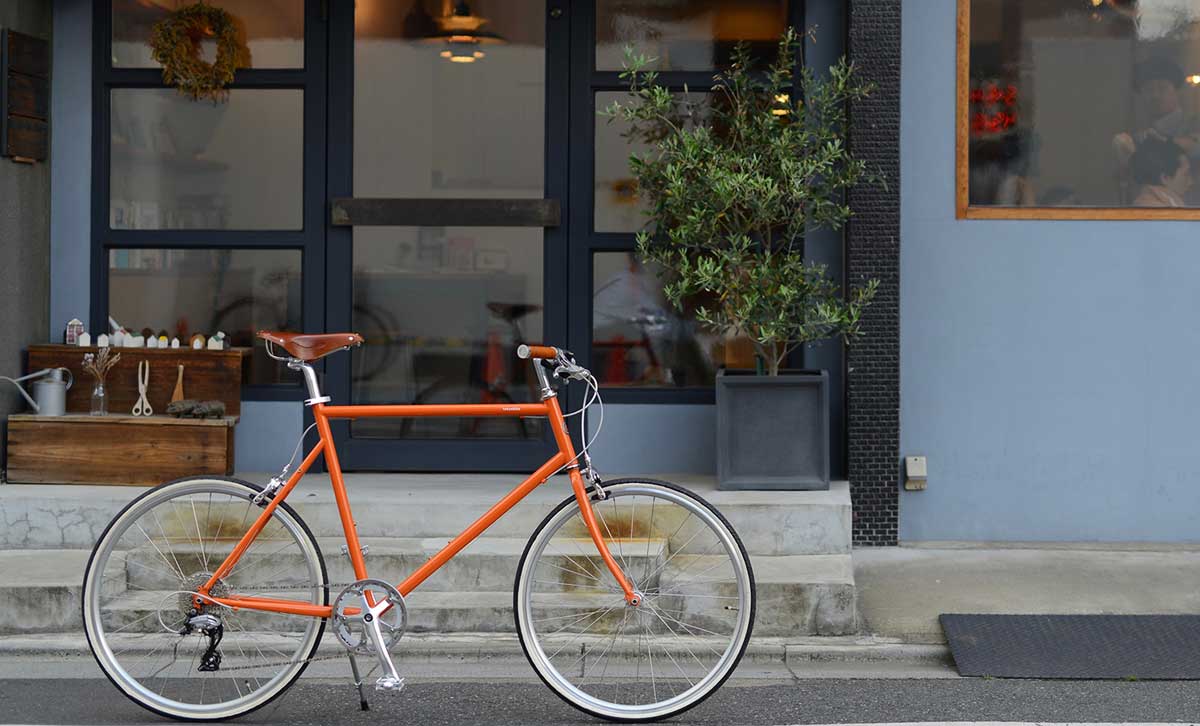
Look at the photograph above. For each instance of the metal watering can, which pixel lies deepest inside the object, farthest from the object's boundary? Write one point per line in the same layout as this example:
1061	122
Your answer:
49	390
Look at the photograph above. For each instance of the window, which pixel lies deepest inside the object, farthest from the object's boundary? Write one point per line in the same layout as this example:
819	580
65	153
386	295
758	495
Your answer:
273	31
210	216
182	292
638	338
1072	109
618	208
641	348
686	35
180	164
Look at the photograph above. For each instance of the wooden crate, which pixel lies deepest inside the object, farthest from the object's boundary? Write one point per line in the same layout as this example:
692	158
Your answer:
130	450
208	375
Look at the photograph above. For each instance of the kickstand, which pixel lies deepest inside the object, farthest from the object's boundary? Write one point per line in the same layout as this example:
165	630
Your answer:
358	683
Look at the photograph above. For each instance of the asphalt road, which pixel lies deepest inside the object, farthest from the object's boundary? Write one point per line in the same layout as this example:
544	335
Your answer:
88	701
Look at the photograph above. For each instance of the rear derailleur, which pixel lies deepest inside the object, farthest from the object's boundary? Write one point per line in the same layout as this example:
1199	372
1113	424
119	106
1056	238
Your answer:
210	627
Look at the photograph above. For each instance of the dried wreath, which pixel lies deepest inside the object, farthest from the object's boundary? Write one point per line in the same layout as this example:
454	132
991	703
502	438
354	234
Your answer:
176	40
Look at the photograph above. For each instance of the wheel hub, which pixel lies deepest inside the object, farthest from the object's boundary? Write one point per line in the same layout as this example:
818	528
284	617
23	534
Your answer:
192	585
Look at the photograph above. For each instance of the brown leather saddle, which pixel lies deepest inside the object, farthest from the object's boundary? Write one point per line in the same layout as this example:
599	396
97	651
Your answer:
311	346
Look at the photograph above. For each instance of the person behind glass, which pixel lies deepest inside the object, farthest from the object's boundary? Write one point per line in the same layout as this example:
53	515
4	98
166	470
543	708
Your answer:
1163	172
1158	82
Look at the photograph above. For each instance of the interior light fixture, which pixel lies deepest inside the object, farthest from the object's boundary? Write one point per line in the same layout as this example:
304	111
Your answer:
459	31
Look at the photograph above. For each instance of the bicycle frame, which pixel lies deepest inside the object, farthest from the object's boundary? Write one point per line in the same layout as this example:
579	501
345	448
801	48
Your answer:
323	414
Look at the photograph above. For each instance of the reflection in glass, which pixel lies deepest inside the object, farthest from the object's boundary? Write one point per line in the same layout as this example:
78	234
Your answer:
638	337
182	164
1084	104
272	31
443	308
617	206
685	35
184	292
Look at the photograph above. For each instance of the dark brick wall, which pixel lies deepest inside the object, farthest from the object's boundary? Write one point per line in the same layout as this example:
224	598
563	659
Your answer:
873	251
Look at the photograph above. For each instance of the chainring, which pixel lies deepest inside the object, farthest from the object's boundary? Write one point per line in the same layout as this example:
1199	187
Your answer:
347	618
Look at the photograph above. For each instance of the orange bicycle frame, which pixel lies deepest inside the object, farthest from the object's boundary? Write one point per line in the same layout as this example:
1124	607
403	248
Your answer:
565	456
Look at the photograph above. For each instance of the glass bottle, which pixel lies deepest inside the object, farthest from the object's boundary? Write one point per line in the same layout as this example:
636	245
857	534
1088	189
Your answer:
99	400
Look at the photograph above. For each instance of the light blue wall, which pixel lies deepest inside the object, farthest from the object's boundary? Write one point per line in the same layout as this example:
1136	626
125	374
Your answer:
70	164
1049	369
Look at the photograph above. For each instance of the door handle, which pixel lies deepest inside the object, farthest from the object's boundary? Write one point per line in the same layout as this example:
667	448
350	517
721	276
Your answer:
442	212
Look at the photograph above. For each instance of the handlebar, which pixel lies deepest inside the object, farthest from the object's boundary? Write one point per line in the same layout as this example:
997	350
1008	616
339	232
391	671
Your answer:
543	352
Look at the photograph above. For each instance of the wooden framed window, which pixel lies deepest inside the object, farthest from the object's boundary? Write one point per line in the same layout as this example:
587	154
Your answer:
1069	109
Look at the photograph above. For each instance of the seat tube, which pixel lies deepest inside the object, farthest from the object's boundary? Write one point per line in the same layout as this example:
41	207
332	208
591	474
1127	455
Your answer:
563	437
349	528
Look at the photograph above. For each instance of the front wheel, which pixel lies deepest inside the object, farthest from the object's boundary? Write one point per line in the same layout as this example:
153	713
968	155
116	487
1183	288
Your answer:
653	660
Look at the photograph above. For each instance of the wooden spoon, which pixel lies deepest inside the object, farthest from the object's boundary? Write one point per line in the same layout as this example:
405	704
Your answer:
178	394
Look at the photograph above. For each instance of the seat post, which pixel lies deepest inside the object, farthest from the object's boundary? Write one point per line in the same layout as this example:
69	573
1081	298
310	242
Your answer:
310	380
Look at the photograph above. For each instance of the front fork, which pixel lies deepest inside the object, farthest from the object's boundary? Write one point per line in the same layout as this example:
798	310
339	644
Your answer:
563	438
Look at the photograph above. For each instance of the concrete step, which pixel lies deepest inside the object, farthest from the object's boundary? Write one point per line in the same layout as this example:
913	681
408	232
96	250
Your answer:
487	564
797	595
436	506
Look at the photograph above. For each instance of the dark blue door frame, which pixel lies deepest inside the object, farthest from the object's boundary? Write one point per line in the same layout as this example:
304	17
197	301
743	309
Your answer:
440	454
571	84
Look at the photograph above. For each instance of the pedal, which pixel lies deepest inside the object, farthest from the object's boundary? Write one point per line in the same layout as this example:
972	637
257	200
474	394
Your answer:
392	684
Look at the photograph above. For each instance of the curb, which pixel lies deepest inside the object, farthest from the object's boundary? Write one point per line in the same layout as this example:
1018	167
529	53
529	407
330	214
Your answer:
483	647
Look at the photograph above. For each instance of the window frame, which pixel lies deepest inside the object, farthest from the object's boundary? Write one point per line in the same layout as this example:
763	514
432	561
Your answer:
586	82
309	239
963	209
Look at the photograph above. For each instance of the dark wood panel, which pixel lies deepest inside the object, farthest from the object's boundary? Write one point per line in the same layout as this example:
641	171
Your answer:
26	54
28	96
365	212
116	449
210	375
26	137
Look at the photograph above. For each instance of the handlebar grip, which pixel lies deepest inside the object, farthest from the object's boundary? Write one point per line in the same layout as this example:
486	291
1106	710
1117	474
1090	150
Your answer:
544	352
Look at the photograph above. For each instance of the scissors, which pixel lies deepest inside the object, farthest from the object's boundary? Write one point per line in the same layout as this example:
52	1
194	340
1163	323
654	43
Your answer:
142	407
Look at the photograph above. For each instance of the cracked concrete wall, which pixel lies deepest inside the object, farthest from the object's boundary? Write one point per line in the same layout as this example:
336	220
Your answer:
24	238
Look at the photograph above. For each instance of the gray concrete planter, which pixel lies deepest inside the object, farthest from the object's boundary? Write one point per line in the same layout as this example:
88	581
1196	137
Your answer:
773	431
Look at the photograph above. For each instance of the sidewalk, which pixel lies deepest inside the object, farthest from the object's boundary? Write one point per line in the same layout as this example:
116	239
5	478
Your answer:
902	590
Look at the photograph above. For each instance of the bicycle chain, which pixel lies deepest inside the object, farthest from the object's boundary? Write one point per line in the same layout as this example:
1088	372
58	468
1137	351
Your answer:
276	587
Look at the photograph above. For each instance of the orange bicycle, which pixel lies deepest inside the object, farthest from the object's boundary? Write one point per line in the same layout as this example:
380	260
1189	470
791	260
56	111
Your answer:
205	598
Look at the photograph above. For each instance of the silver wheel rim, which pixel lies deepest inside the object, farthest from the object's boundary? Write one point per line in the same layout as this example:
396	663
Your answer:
657	637
257	666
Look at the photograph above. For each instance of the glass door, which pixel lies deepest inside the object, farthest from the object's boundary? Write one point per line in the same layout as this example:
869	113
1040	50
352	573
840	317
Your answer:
446	242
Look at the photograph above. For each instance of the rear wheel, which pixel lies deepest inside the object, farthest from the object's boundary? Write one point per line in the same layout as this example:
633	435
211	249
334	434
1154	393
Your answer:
672	650
137	600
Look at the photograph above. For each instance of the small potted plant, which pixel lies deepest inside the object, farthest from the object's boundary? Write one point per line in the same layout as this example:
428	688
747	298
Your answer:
731	188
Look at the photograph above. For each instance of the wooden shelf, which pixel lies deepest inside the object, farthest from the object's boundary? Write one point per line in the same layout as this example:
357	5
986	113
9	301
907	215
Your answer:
208	375
117	449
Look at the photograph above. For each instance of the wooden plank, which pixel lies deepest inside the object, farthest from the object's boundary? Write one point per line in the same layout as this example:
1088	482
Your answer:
26	137
104	450
962	109
209	375
26	54
28	96
1083	213
364	212
130	420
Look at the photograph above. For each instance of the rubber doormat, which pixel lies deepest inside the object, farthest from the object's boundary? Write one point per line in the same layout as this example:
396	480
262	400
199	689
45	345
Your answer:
1151	647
